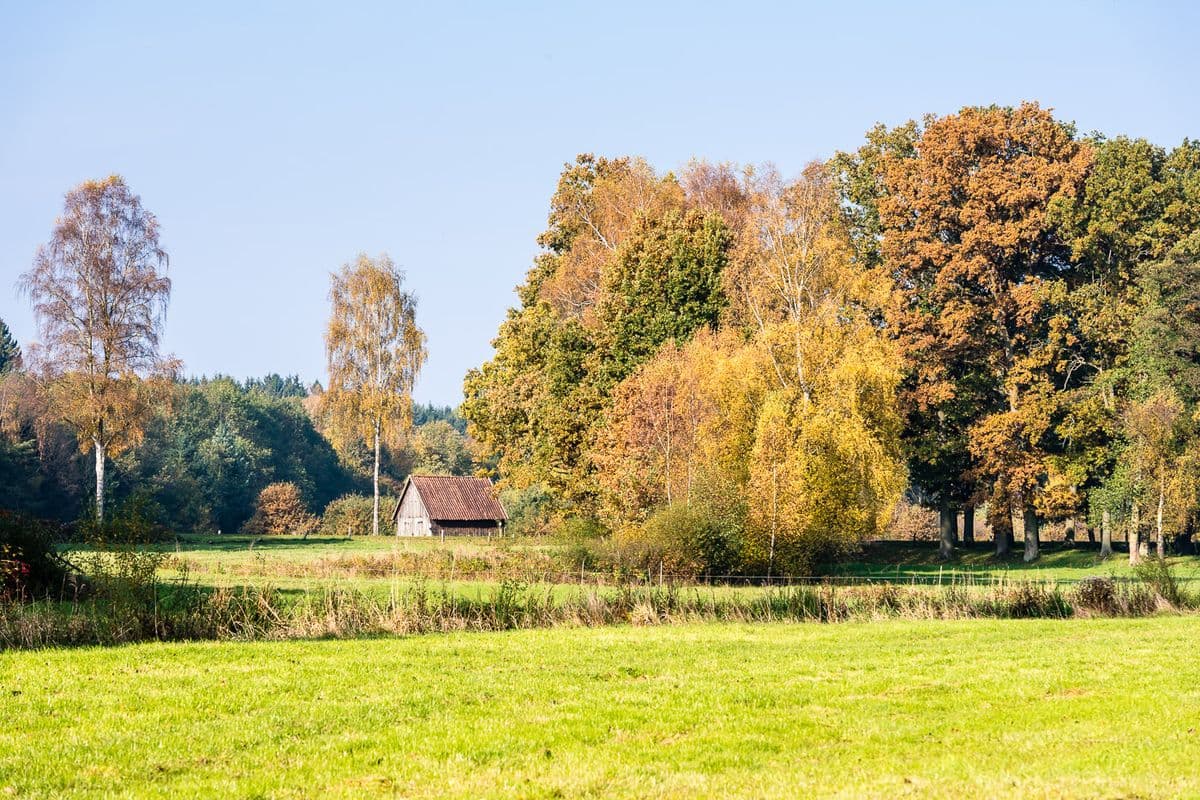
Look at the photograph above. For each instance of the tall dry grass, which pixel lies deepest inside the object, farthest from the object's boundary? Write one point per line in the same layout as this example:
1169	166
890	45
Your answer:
186	612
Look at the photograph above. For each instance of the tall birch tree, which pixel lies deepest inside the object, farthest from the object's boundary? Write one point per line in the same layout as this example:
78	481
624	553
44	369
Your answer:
99	294
375	350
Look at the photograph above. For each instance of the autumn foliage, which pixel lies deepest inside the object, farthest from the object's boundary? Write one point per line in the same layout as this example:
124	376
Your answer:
980	309
722	368
280	510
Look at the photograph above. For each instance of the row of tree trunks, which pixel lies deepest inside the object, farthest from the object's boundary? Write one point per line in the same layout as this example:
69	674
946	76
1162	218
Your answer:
1004	535
948	528
1073	528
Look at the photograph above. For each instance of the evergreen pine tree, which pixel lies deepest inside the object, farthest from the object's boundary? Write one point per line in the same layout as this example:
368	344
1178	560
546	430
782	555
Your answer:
10	351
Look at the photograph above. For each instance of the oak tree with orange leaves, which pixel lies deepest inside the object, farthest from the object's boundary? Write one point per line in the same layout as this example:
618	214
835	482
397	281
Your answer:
977	264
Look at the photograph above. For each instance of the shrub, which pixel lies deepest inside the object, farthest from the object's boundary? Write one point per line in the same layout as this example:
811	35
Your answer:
351	515
530	510
1028	600
280	509
29	561
585	540
119	570
911	522
684	541
581	529
1156	573
134	520
1097	594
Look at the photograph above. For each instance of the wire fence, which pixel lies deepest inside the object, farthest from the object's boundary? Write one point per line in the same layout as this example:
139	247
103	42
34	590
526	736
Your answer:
983	577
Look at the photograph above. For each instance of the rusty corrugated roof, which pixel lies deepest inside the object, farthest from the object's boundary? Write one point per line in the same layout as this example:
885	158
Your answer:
458	498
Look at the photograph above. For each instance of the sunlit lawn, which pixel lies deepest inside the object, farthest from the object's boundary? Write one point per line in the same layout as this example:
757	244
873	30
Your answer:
1078	708
247	549
294	563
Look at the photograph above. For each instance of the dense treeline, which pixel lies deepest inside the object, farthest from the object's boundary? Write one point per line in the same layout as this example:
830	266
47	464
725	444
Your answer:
985	309
206	453
197	454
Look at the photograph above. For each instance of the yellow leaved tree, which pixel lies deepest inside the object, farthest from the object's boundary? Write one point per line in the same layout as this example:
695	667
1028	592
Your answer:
825	467
785	416
374	350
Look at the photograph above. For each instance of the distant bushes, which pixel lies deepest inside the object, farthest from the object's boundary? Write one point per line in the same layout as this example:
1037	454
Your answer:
680	540
131	521
530	510
1157	574
29	562
280	510
912	522
352	514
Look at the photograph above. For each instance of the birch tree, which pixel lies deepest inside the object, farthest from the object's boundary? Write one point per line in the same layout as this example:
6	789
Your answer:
1157	453
375	350
99	294
825	468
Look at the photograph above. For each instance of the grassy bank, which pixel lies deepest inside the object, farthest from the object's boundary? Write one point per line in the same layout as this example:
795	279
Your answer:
1088	708
244	588
135	612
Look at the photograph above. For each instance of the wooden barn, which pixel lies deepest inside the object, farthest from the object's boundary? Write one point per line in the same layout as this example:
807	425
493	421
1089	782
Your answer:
448	505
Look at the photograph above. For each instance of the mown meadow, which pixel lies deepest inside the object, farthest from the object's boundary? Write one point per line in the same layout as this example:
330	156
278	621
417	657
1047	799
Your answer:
984	708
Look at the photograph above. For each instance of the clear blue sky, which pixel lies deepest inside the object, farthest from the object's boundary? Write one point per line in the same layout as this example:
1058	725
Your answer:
276	141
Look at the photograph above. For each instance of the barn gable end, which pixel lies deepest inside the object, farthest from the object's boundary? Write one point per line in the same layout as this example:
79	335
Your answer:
410	516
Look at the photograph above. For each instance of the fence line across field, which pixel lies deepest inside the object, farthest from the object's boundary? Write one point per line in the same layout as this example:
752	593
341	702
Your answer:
757	581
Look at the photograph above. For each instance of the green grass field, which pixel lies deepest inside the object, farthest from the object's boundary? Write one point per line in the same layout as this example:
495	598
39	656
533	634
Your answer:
1056	563
289	562
1079	708
294	565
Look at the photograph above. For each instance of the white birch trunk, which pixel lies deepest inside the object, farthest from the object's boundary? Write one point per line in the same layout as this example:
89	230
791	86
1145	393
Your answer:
375	507
99	481
1160	545
1135	522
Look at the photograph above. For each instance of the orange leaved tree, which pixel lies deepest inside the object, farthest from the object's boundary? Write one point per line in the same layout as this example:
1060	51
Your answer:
979	270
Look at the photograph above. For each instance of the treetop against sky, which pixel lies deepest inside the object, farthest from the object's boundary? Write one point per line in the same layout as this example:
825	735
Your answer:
274	144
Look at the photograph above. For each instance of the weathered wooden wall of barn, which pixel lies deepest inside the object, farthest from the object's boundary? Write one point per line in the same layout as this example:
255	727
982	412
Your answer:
412	519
